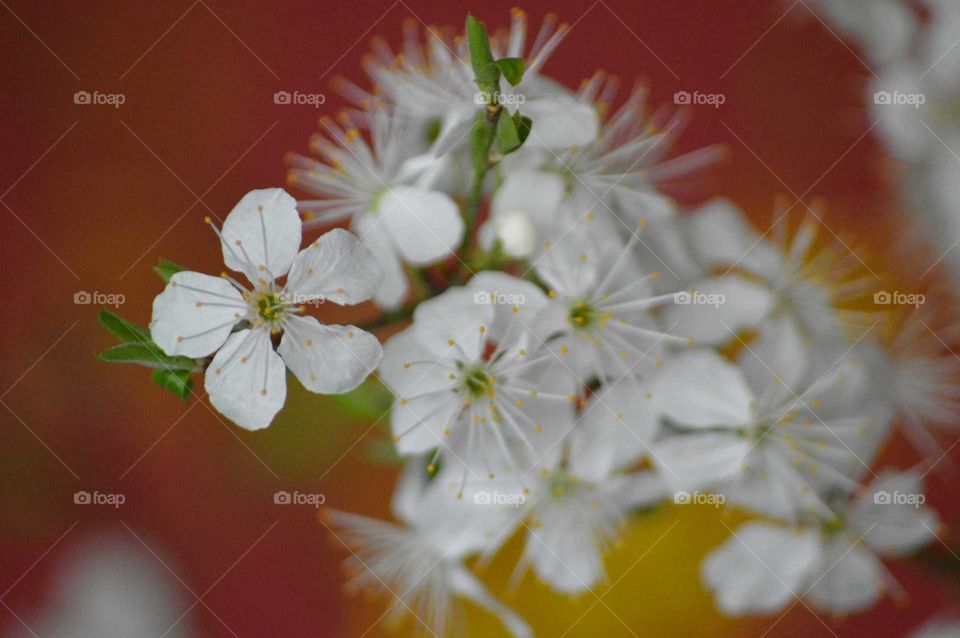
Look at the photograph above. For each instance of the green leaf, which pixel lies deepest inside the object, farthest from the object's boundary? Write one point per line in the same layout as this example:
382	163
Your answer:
524	124
508	139
486	72
512	132
368	402
167	269
177	381
512	69
124	330
146	354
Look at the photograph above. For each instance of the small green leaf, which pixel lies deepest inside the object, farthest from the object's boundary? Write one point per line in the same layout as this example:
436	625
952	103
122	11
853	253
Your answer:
512	69
508	139
124	330
512	132
485	71
177	381
524	124
368	402
146	354
167	269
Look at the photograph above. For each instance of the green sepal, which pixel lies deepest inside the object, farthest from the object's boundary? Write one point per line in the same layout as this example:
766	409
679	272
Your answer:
177	381
146	354
512	132
485	70
512	69
368	402
124	330
167	269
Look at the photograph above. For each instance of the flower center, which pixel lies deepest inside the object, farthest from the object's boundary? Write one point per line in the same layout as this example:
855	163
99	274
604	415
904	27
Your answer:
582	314
269	306
478	382
560	483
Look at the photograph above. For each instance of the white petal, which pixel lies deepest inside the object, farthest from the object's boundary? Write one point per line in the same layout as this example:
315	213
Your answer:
561	122
854	581
194	314
267	226
456	316
246	380
337	267
421	423
515	302
761	569
328	359
564	549
615	431
719	235
892	516
394	287
408	370
714	310
535	193
777	357
425	225
466	585
699	388
697	461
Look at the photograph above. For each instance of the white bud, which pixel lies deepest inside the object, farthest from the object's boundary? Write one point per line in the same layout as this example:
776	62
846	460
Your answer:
517	233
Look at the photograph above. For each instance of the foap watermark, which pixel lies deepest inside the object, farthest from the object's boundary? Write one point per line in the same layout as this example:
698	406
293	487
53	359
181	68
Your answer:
297	98
303	299
884	497
494	298
513	499
899	99
298	498
697	298
698	498
897	298
503	99
699	99
84	298
100	99
98	498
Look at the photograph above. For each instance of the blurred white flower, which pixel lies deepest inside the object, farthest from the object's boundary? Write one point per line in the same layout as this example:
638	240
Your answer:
764	282
418	564
111	587
382	192
197	315
774	434
834	564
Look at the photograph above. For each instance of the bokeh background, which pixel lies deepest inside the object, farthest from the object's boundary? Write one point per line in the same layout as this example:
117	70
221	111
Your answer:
92	196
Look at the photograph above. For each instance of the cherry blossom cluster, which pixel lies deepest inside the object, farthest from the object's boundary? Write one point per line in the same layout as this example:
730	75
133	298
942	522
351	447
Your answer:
572	348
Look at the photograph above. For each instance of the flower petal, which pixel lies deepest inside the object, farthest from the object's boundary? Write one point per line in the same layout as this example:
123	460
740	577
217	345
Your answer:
698	461
261	235
394	288
561	122
247	380
698	388
615	430
715	310
761	568
425	225
336	267
852	579
892	516
453	324
328	359
194	314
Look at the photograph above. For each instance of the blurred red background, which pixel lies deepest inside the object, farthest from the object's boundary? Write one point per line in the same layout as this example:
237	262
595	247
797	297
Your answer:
94	195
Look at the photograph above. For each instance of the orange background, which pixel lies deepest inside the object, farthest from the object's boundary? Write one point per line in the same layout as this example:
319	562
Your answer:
96	195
